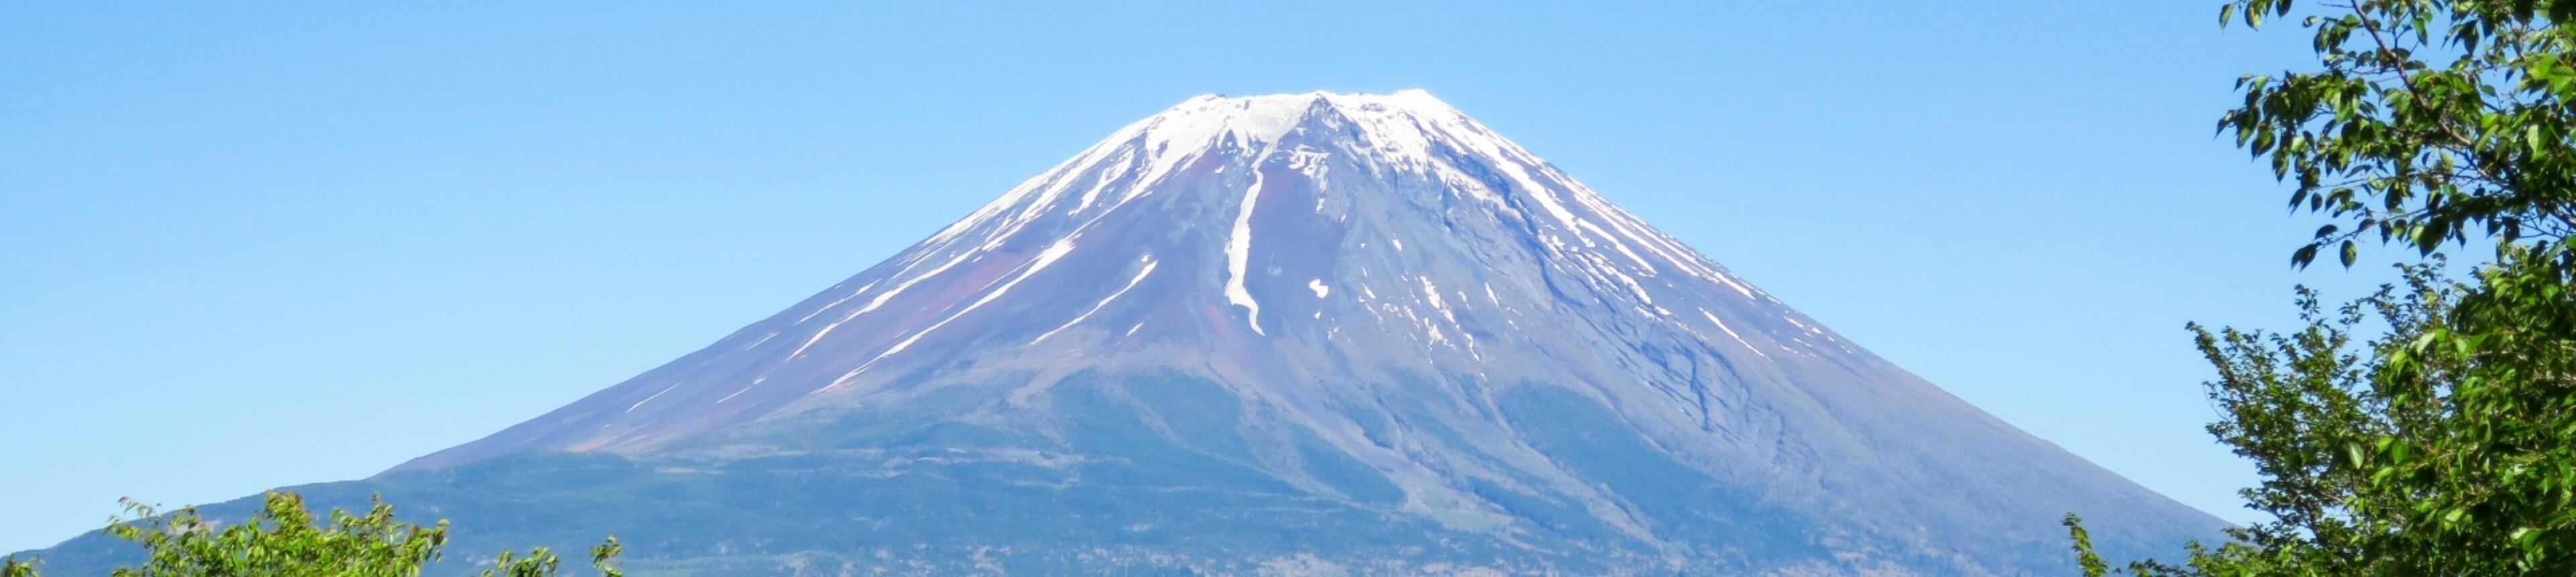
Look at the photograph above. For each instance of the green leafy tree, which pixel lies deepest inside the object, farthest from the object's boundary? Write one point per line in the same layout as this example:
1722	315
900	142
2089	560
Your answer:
284	538
2444	443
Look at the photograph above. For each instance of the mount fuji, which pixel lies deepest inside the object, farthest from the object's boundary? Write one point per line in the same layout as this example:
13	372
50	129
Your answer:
1290	334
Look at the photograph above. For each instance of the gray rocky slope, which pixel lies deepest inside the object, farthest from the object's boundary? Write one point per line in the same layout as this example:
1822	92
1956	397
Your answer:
1311	333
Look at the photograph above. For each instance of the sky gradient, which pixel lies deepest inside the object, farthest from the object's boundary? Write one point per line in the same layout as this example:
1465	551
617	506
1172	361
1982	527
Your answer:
249	247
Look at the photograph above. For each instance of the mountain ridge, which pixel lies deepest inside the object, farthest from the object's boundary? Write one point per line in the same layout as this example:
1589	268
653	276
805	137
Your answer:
1317	318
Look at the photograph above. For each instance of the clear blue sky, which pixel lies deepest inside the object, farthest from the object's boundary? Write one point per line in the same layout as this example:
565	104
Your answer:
251	246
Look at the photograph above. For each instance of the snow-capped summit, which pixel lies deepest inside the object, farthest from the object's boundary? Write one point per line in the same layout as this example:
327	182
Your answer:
1245	328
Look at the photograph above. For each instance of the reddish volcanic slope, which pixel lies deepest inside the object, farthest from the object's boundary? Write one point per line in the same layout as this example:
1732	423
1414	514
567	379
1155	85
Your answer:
1369	309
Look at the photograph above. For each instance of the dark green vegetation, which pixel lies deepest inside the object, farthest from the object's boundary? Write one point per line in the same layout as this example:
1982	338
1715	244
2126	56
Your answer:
2429	429
282	537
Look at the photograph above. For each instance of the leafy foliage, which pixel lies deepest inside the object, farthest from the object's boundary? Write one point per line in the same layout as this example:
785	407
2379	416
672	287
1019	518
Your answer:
2446	443
2430	120
284	538
11	567
2444	446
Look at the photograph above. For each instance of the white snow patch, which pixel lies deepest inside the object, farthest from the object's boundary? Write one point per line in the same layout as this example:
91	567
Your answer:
1739	339
863	289
1106	177
899	288
631	408
1730	283
1195	127
1047	257
809	341
1633	287
1238	255
1648	267
1310	162
1131	283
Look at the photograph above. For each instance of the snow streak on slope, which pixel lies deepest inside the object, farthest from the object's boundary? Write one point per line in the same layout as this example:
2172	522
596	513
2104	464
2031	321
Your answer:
1238	252
1104	302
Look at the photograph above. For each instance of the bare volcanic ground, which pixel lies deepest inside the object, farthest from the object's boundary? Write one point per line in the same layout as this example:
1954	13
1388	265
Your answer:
1291	334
